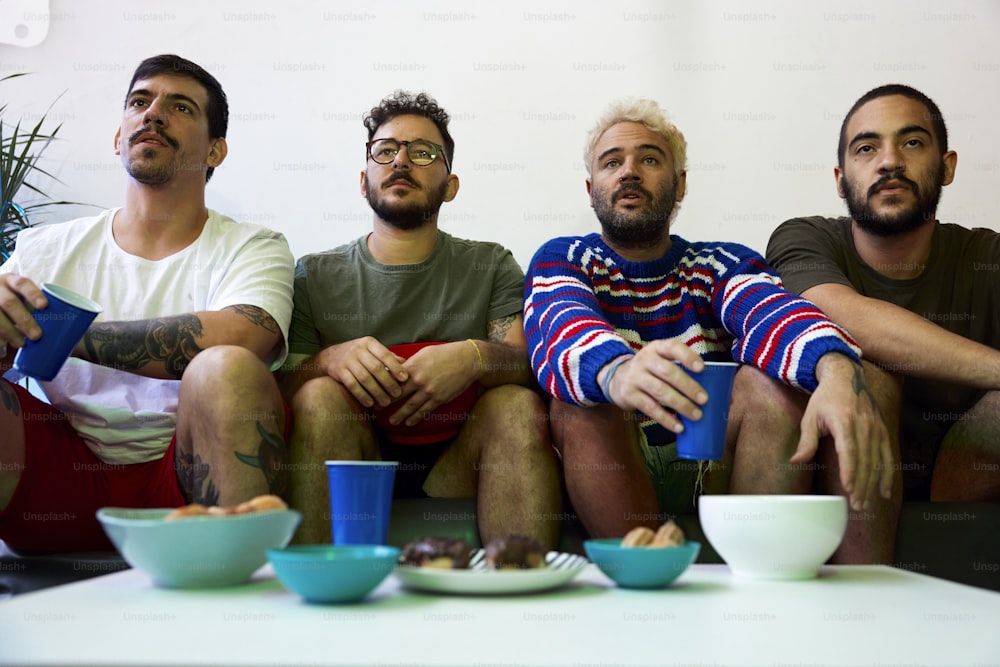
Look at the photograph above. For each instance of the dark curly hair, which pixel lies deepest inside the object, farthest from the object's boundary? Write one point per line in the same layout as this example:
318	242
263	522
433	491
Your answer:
403	103
217	109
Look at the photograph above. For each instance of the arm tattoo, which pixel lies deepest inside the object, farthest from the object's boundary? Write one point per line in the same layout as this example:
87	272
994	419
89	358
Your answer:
258	316
497	329
858	383
132	345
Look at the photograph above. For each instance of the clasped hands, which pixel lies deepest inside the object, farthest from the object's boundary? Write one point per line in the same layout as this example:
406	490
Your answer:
376	377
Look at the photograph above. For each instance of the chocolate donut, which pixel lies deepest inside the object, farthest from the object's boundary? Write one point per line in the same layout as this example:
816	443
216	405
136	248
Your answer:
515	552
447	553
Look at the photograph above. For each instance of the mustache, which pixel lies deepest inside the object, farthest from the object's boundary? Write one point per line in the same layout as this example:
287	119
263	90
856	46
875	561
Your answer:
170	141
399	176
629	187
898	178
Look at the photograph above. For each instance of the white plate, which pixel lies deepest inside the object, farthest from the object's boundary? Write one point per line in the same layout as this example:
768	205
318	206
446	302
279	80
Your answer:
477	580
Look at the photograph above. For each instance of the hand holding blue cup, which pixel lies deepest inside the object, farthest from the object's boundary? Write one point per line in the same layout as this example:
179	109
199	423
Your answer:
63	323
705	439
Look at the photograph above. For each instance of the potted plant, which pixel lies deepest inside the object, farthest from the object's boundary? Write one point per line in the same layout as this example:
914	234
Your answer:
21	150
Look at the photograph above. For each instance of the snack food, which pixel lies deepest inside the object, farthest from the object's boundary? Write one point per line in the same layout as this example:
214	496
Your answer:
448	553
514	552
668	535
263	503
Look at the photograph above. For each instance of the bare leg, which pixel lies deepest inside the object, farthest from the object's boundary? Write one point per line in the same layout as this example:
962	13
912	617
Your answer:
768	415
504	458
328	424
968	466
11	444
230	421
606	476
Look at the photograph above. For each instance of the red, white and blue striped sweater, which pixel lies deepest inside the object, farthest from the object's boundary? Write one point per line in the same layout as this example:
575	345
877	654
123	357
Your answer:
586	305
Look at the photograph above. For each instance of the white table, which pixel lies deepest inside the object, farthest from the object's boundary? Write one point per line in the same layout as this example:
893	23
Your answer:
850	615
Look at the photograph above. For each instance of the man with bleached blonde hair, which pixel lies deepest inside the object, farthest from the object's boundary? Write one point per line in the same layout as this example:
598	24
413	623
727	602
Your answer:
611	317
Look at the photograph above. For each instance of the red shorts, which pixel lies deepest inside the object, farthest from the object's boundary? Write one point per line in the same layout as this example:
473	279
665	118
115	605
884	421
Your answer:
63	484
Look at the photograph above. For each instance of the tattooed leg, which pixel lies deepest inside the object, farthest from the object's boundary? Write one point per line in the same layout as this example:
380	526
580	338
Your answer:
11	443
230	417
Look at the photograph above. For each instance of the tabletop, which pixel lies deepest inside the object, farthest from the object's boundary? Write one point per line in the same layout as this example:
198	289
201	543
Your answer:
849	615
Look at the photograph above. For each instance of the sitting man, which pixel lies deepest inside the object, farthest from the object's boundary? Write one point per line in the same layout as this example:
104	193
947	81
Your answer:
169	397
408	282
919	295
609	316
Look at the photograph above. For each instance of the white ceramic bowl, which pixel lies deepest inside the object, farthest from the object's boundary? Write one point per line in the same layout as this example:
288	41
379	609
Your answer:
774	537
198	551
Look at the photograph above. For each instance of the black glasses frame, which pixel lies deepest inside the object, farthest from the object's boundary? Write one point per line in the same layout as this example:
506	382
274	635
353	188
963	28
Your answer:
438	150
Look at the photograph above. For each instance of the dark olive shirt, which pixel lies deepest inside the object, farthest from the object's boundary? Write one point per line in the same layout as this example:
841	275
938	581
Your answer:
957	289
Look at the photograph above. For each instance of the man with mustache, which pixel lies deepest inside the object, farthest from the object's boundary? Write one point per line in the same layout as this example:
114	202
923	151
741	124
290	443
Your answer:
919	295
169	398
609	318
409	282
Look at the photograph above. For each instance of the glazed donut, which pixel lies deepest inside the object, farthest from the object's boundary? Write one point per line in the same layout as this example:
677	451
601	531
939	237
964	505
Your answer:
447	553
515	552
265	503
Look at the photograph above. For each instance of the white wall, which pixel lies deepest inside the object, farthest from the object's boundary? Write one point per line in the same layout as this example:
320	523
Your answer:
759	88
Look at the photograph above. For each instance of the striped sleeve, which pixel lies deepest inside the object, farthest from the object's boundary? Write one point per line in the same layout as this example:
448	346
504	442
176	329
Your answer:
569	337
782	334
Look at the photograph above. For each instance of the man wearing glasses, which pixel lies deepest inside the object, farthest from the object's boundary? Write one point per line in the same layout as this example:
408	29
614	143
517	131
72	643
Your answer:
354	398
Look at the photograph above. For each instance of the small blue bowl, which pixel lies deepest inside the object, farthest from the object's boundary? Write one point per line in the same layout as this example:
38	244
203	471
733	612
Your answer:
326	573
641	567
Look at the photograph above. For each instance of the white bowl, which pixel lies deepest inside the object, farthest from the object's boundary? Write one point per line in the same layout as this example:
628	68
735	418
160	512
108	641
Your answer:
774	537
198	551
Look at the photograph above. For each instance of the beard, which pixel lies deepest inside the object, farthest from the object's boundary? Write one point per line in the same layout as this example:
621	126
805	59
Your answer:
406	214
150	168
928	194
639	228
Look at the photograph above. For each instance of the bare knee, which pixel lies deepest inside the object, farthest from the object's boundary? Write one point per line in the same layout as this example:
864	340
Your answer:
518	410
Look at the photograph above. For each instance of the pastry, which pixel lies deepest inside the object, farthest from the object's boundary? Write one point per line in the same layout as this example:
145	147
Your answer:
259	504
514	552
638	537
448	553
668	535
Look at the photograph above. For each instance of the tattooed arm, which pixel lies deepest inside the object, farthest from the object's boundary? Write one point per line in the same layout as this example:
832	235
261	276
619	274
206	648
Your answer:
505	354
163	347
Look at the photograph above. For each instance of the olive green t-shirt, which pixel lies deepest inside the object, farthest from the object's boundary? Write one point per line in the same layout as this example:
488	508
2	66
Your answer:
957	289
345	293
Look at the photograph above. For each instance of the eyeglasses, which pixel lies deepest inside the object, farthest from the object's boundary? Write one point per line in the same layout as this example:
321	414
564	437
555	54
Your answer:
420	151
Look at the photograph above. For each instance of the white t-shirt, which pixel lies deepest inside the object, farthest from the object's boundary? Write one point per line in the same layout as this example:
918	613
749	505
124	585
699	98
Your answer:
124	417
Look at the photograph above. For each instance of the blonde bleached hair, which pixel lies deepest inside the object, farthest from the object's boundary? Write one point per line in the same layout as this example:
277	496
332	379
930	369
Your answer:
638	110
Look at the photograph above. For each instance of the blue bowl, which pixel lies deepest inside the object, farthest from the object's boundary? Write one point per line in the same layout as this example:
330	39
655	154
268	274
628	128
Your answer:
641	567
326	573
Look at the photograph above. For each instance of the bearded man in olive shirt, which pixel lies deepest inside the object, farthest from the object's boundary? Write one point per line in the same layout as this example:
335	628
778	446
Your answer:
919	296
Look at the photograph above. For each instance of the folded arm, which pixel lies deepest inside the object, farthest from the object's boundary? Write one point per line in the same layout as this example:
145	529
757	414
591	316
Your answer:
902	342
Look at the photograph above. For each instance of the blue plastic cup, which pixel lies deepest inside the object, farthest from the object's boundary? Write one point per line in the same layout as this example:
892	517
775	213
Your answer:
705	439
63	323
360	500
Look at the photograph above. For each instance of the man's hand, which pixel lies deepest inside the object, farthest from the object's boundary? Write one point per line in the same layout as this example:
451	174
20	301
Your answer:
16	322
367	369
651	382
437	374
844	408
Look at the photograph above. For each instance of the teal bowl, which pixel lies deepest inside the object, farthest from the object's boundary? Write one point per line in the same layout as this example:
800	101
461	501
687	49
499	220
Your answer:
641	567
199	551
330	574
